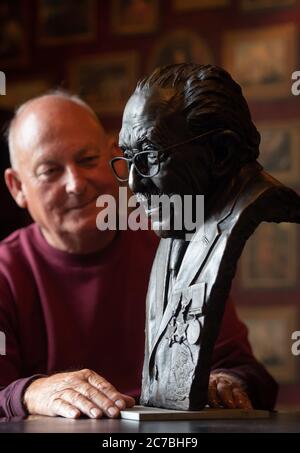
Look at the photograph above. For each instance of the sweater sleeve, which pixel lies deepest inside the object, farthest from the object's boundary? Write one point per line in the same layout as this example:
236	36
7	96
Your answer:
12	384
233	354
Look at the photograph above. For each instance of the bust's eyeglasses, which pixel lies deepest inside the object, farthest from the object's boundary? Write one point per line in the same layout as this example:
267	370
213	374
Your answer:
147	163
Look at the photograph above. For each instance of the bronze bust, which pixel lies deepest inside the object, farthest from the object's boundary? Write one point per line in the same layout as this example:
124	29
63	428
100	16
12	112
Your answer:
199	112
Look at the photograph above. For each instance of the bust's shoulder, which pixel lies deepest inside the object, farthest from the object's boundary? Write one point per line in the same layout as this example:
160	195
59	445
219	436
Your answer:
269	198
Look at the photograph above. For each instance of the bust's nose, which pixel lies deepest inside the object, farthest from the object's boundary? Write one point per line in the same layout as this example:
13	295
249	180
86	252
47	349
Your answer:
135	180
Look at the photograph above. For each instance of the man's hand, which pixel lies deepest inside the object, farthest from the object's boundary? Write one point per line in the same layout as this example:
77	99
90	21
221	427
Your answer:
227	391
75	393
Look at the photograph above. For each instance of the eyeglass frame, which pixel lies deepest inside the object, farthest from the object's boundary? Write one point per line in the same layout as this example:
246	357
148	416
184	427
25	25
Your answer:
158	152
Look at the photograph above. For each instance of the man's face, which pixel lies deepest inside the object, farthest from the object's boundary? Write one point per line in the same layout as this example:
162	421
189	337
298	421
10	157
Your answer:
63	166
147	126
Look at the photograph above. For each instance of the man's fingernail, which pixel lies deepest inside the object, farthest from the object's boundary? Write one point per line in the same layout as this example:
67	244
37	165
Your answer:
112	411
73	413
95	412
121	404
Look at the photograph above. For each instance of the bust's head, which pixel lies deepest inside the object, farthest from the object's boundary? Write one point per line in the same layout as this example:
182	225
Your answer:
199	116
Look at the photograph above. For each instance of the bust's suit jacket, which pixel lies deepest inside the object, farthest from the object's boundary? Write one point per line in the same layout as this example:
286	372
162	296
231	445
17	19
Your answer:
175	374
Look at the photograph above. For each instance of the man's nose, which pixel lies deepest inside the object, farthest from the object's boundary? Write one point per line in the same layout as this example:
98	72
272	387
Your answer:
75	181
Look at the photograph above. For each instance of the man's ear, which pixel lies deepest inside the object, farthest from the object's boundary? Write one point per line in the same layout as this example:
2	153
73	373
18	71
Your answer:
14	185
225	148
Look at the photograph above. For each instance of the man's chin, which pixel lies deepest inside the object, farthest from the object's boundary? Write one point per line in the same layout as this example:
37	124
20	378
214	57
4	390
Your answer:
80	225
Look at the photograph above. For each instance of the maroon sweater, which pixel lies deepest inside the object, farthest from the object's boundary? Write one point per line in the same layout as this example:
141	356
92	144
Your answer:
62	311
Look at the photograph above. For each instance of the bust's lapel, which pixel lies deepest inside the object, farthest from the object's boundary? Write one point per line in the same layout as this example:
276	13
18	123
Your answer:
196	253
157	290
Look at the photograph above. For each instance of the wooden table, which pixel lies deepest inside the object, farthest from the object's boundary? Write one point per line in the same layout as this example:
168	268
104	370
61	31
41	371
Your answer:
277	423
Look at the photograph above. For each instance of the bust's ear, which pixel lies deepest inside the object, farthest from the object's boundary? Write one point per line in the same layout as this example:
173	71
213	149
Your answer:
14	185
225	148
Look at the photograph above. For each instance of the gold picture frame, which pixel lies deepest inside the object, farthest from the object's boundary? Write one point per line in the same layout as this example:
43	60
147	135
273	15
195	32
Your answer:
270	257
185	5
262	60
105	81
258	5
279	150
180	46
66	21
131	17
270	329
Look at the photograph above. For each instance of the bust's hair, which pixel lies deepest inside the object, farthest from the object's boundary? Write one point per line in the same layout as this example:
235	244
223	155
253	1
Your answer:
208	98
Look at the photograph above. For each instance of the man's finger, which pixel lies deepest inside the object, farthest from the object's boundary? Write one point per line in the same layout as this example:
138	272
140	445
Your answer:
241	399
110	391
130	401
64	409
99	399
224	390
82	403
213	399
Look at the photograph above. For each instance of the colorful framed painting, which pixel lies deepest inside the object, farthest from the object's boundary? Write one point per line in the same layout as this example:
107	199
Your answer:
105	81
270	330
66	21
180	46
131	17
182	5
13	36
279	150
262	60
258	5
270	257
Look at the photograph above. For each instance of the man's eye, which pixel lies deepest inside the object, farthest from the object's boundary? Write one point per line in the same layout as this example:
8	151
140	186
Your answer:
47	172
88	159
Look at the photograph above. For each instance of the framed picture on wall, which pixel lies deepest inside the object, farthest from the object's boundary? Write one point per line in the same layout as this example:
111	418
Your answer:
270	257
134	16
105	81
21	91
262	60
255	5
180	46
199	4
13	37
279	150
270	330
66	21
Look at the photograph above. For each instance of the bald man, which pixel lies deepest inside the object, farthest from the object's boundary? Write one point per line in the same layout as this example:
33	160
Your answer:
73	297
53	302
